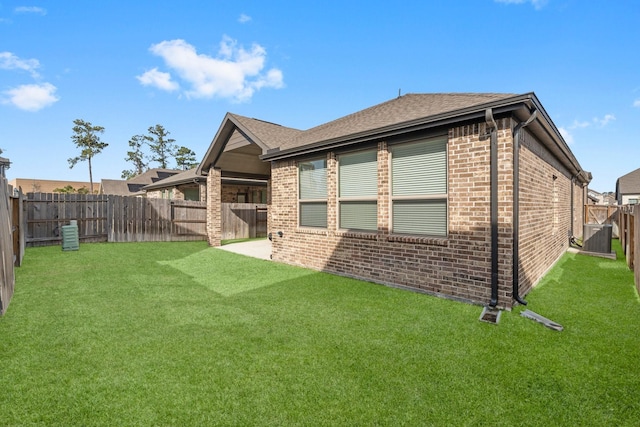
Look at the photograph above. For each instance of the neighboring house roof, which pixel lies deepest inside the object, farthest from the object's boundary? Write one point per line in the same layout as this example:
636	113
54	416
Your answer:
29	185
629	183
135	185
185	177
401	115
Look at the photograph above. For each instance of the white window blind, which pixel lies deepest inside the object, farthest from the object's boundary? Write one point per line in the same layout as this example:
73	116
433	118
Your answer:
313	193
358	190
419	187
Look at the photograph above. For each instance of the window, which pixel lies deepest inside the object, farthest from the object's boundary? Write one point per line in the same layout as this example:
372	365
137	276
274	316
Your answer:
419	187
358	190
192	194
259	196
313	193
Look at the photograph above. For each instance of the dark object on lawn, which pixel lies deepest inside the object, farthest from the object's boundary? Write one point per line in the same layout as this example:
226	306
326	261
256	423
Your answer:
541	319
490	315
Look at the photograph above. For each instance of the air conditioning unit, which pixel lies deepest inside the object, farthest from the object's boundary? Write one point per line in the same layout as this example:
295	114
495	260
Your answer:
597	238
70	238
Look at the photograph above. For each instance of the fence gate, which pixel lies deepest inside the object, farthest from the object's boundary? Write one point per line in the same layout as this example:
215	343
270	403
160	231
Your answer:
603	214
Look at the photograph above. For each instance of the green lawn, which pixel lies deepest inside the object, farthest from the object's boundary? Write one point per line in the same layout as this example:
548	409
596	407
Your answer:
182	334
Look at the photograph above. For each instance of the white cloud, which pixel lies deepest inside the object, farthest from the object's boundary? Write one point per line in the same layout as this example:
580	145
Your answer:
244	18
234	73
597	122
636	103
9	61
30	9
568	137
608	118
579	125
158	79
537	4
31	97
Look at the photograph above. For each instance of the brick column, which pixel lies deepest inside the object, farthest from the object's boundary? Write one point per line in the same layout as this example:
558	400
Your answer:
214	199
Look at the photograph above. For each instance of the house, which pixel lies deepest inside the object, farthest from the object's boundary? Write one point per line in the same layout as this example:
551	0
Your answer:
183	186
628	188
469	196
134	186
596	198
33	185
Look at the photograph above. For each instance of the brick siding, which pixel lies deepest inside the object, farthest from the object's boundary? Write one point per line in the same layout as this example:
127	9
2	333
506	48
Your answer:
457	266
545	210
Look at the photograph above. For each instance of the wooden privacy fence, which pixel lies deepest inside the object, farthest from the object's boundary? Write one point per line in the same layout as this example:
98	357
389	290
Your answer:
102	218
7	274
243	220
603	214
630	238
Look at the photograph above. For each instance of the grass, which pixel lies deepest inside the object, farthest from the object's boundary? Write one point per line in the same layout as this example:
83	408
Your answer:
182	334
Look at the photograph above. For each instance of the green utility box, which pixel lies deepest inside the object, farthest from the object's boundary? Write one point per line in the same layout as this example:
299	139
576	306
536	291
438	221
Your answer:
70	239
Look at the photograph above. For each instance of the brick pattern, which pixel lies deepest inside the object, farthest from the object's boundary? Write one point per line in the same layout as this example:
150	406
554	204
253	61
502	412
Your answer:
214	208
545	210
458	266
230	193
177	192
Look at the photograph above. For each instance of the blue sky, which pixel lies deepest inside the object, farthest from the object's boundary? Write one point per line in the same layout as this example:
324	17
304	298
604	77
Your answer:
131	65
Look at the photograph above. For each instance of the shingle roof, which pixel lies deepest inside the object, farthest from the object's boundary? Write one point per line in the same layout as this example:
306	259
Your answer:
134	185
402	109
179	178
270	134
401	115
629	183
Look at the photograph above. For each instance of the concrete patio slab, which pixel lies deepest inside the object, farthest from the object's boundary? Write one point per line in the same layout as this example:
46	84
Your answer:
255	248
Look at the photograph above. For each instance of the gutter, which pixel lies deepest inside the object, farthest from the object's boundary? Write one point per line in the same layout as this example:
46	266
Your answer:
516	206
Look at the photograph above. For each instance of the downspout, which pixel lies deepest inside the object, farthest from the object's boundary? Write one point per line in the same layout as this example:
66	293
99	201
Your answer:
573	184
516	206
493	190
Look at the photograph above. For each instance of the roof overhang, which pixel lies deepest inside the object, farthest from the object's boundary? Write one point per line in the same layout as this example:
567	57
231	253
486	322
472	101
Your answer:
519	107
218	144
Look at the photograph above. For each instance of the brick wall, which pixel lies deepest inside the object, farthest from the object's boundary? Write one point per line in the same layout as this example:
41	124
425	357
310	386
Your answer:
230	192
177	192
545	210
214	208
457	267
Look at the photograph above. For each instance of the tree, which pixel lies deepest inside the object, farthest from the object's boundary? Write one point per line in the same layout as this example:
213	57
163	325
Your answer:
86	139
162	148
66	190
136	156
185	158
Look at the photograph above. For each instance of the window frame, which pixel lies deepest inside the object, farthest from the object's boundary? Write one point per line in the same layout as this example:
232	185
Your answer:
356	199
312	201
425	197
